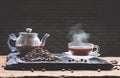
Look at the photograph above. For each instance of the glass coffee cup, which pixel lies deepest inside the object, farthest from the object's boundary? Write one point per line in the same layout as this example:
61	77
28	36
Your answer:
83	49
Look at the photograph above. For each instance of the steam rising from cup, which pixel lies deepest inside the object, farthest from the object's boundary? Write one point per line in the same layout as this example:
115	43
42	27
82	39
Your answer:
78	35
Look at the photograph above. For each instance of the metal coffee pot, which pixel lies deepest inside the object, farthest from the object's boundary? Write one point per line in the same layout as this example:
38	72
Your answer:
26	41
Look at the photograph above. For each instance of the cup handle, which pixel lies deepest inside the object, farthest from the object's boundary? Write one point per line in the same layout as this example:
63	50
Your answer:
11	37
96	52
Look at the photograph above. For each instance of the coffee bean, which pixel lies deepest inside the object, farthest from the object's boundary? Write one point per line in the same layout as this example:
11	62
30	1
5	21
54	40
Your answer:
72	71
115	67
85	60
32	70
63	69
118	68
43	69
69	69
46	50
69	60
81	60
2	66
73	60
114	61
99	70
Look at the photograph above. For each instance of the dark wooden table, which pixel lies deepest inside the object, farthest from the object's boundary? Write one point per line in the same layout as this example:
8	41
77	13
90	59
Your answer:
114	73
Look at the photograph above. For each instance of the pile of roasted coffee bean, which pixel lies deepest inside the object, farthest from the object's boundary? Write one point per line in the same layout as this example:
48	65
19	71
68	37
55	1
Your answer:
39	54
116	66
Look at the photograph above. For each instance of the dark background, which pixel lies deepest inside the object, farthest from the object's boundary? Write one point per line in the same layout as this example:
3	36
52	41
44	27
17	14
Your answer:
100	18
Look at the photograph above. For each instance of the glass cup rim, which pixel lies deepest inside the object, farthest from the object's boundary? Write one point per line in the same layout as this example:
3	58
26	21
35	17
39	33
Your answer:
80	43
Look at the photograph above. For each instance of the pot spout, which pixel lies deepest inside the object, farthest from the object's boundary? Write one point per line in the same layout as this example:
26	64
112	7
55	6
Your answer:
43	40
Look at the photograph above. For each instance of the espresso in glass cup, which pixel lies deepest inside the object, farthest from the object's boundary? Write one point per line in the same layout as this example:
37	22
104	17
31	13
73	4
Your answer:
83	49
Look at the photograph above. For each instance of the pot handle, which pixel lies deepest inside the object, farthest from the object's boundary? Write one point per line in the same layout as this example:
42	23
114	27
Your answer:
11	37
96	52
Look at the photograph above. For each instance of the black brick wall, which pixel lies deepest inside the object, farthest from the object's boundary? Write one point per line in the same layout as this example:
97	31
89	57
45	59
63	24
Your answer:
100	18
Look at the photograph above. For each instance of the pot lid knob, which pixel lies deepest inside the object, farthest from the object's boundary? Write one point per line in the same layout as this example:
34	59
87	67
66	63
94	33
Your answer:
29	30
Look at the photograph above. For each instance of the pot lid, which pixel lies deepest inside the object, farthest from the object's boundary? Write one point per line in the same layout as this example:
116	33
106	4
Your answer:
28	31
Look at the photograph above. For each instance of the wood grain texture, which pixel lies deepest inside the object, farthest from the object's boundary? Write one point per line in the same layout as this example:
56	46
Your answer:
60	73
